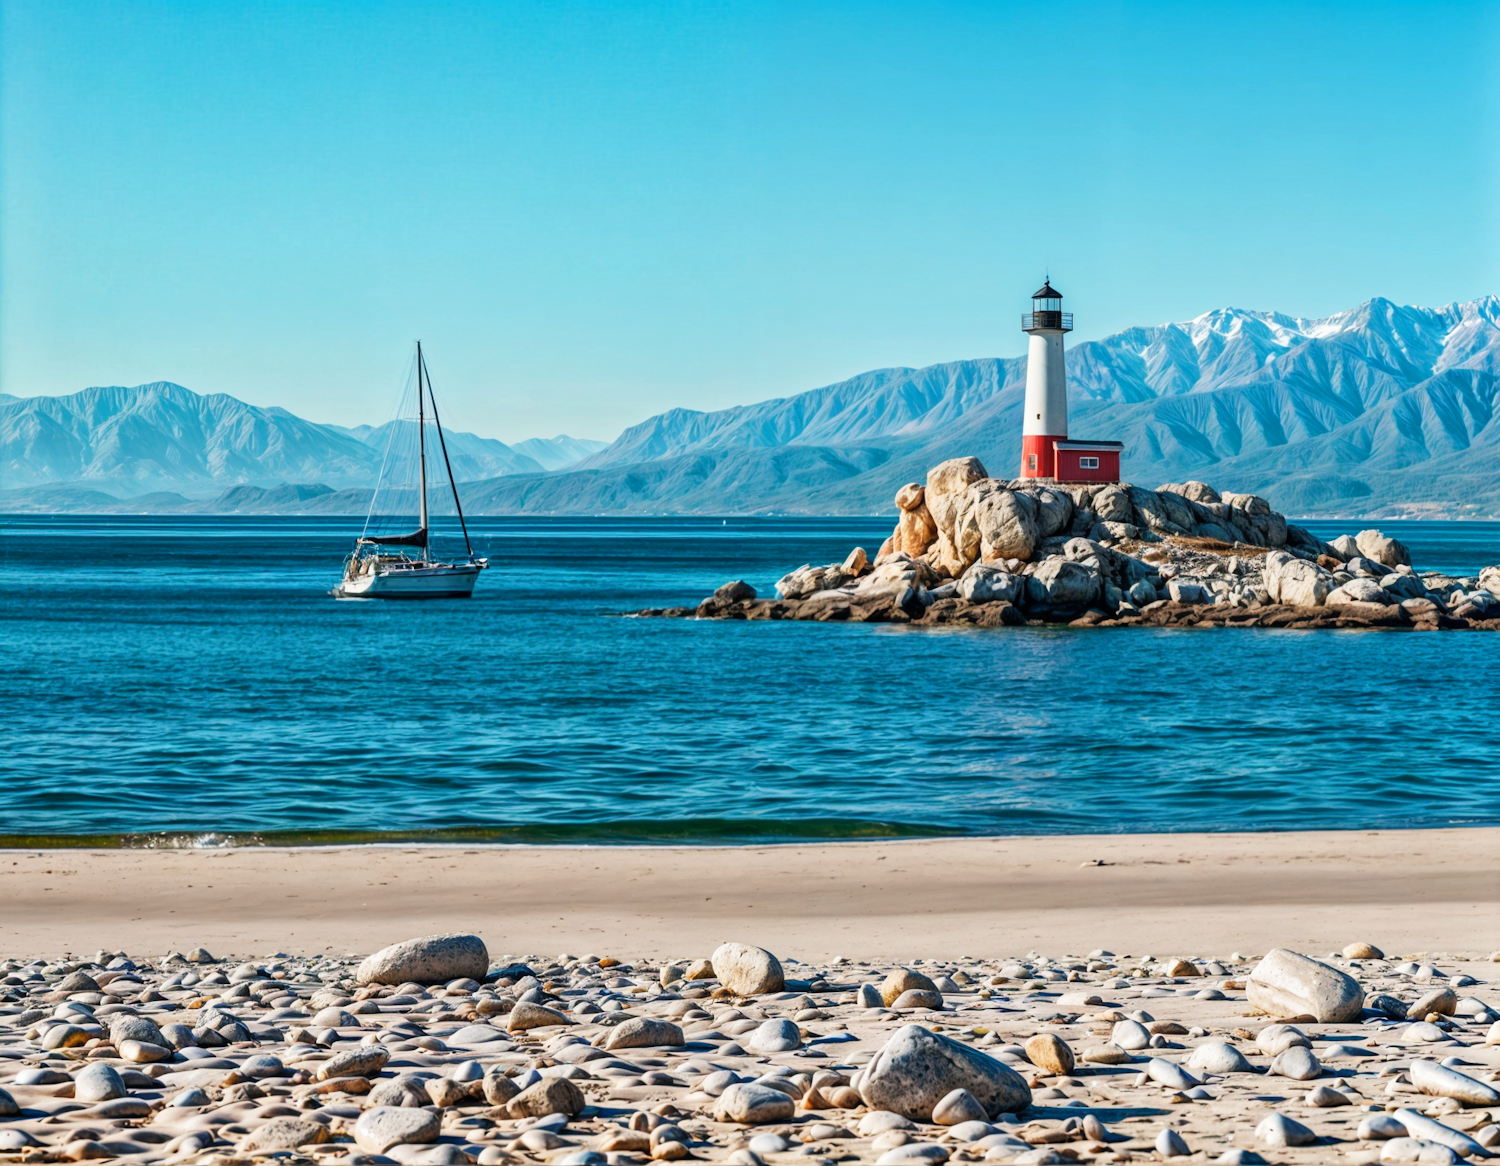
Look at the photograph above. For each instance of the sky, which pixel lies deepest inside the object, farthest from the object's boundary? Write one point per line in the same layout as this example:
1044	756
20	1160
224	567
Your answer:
590	213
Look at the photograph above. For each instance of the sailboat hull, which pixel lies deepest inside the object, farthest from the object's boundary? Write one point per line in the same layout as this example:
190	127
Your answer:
417	581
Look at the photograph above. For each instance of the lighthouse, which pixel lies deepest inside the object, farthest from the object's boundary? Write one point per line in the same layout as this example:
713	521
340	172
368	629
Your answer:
1046	451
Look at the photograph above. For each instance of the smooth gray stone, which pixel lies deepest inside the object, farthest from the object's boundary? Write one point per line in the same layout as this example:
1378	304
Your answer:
97	1082
431	959
1420	1126
1286	983
1219	1057
1297	1063
752	1103
775	1036
1280	1131
1173	1076
384	1126
1441	1081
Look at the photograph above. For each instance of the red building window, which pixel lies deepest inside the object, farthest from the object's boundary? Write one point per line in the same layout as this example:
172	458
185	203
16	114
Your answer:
1031	462
1088	463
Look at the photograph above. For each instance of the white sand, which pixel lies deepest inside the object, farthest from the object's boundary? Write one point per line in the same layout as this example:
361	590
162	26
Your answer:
1188	894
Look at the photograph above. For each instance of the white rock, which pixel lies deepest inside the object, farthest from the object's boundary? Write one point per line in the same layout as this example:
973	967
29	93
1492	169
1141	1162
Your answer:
879	1121
1420	1126
432	959
1219	1057
1441	1081
1131	1035
773	1036
1279	1131
957	1108
384	1126
1169	1144
751	1103
1286	983
1297	1064
747	970
1417	1150
1379	1126
913	1152
1173	1076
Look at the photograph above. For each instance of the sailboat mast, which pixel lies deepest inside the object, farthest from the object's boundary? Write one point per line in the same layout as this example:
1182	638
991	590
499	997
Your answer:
422	450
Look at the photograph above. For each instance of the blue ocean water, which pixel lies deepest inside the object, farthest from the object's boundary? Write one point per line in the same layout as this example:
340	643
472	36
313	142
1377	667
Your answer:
191	677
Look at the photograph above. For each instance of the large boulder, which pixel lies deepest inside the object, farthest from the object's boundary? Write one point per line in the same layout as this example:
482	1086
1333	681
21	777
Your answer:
992	523
917	1068
1286	983
1151	511
432	959
1053	509
985	583
1358	591
1193	491
1374	545
947	483
1063	585
1112	504
746	970
915	531
1295	581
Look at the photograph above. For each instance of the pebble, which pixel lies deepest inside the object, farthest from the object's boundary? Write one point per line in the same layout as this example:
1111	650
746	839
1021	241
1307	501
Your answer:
1219	1057
1050	1053
297	1047
774	1036
1170	1144
1297	1063
1442	1081
958	1108
97	1082
1279	1131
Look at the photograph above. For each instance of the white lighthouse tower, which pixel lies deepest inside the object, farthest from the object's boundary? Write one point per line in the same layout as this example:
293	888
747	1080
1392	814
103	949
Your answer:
1046	418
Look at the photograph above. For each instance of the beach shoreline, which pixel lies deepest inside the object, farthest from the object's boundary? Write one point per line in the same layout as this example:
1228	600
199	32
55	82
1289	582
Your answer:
1420	890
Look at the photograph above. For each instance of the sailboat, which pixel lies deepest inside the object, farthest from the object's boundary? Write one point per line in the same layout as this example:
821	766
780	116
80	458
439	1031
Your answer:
373	571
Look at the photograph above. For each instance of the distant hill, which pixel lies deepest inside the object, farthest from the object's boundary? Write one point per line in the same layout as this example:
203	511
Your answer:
140	443
1381	410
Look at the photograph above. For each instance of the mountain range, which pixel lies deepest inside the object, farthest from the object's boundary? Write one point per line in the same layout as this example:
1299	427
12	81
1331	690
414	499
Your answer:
1377	411
162	438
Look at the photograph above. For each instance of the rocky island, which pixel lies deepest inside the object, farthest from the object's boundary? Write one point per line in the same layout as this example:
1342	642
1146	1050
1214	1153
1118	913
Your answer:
972	549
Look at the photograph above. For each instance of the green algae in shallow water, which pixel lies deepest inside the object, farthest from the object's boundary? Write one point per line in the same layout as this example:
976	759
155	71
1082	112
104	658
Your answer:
688	830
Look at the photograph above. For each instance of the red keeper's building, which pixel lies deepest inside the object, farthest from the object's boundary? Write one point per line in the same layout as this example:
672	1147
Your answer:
1046	449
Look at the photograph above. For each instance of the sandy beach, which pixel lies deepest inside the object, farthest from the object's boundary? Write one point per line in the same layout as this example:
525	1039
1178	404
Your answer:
1421	890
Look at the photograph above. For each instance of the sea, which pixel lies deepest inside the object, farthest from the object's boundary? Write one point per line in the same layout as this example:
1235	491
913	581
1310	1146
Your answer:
189	681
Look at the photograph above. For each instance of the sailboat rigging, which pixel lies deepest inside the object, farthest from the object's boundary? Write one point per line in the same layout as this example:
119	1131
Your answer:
372	572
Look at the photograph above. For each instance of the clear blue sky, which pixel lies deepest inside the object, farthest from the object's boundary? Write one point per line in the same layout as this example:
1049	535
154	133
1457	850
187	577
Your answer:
591	213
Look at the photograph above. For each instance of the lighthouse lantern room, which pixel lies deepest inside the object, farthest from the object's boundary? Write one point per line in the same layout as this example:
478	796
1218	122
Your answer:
1046	451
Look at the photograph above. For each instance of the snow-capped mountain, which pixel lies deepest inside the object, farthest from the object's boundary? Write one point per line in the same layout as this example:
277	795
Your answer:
162	436
1379	408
